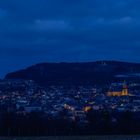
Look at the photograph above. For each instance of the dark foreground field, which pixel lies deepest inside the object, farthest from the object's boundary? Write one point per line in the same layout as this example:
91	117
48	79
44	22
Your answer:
77	138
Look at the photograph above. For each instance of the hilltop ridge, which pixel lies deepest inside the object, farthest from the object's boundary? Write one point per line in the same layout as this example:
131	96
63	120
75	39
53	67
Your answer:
98	72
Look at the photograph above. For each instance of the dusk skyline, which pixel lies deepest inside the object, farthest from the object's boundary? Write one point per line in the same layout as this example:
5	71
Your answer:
34	31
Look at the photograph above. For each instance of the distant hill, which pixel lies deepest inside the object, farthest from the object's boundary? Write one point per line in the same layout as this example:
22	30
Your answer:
99	72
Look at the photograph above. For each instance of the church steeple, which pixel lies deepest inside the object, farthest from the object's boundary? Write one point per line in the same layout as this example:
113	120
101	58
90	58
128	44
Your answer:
125	89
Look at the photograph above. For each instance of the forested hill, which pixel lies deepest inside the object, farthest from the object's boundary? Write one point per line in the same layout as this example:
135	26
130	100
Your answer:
99	72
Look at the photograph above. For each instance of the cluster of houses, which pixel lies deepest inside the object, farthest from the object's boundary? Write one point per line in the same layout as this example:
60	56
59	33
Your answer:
70	102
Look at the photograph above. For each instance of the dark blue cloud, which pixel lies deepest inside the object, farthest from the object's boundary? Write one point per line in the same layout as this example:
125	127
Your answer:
33	31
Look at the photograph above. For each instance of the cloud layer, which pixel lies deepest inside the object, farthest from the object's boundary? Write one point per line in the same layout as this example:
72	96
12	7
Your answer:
33	31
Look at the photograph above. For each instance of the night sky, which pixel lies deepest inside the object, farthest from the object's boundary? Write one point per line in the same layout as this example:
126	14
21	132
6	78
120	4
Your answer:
33	31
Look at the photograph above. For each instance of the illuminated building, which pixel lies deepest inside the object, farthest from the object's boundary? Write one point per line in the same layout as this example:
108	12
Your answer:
122	92
87	108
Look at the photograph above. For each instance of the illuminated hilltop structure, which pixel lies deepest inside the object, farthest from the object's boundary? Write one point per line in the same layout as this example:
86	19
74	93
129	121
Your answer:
119	92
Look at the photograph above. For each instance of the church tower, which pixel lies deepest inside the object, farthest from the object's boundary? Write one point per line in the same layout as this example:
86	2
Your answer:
125	90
